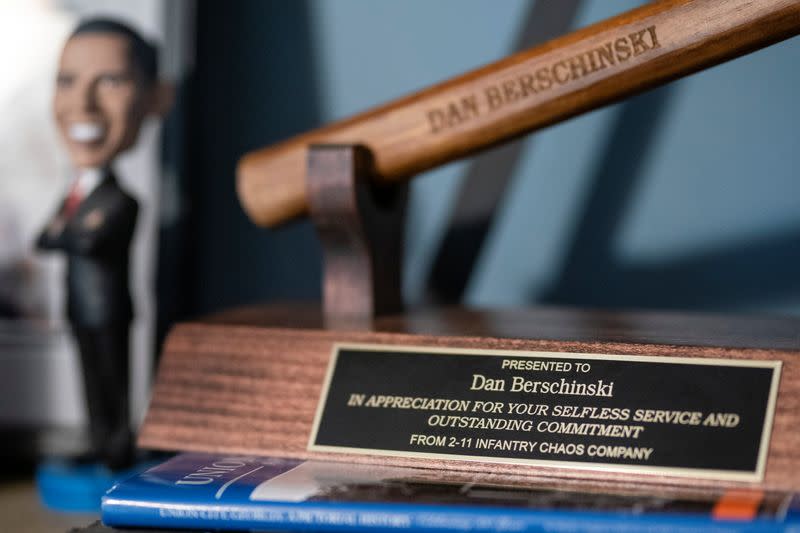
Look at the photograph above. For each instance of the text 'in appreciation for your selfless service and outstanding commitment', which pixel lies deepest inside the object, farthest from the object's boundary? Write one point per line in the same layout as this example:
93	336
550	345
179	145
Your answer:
557	428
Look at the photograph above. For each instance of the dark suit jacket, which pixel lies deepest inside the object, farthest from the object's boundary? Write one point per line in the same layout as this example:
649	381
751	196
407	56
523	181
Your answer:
96	240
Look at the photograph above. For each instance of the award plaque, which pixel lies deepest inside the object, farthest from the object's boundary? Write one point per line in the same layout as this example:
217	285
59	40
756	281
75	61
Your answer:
686	417
681	400
664	400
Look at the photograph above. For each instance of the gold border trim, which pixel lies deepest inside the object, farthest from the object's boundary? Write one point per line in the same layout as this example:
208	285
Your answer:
726	475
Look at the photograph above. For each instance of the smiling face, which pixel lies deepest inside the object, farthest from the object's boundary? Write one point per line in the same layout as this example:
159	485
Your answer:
100	98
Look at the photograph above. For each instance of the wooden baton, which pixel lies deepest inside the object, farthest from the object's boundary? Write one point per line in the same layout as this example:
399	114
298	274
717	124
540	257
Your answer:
567	76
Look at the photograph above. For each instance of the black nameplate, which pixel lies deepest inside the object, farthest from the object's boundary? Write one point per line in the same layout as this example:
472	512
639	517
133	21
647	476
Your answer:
676	416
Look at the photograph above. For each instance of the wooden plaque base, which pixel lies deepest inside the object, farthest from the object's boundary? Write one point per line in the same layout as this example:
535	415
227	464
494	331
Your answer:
248	381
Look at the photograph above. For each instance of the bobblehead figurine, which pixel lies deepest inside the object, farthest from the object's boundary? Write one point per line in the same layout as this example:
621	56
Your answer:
105	87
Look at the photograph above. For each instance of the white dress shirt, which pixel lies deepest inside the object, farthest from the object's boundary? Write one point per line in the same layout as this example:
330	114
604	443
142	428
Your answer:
87	180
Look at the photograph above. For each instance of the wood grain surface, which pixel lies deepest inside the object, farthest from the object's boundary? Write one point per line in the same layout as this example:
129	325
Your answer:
233	387
533	89
360	229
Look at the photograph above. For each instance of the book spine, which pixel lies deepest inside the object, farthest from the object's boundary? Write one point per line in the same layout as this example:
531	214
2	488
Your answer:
340	518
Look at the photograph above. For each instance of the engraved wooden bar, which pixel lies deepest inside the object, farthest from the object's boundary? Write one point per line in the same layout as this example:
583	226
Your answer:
570	75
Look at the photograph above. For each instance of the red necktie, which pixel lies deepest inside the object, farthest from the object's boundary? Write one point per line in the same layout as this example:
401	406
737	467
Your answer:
73	201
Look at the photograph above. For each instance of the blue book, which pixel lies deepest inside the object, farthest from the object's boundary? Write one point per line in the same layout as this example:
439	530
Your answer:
197	491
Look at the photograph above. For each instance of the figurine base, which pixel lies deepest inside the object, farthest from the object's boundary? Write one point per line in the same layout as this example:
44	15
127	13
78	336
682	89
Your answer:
68	486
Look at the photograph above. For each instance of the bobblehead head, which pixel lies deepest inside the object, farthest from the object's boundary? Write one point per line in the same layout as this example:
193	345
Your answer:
106	85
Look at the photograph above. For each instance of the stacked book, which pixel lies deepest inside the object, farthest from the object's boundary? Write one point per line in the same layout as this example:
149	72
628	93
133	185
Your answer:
200	492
